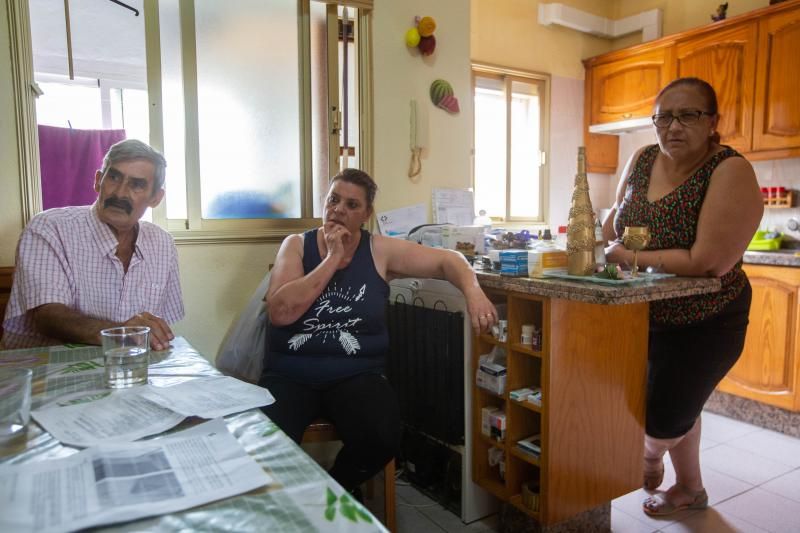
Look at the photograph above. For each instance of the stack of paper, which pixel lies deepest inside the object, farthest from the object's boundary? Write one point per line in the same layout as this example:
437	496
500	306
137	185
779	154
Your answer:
120	482
130	414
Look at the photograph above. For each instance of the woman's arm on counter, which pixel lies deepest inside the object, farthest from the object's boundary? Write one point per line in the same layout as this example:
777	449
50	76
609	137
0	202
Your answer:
729	217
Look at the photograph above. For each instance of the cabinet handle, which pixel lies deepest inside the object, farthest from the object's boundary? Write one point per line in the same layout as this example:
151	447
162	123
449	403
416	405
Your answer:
627	115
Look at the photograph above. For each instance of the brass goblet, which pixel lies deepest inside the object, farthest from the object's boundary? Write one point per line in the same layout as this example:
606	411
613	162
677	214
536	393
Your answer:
636	238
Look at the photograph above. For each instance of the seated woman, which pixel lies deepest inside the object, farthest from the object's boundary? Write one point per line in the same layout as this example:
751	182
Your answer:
326	350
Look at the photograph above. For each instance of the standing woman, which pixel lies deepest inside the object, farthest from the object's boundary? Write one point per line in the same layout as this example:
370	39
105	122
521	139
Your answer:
327	344
702	204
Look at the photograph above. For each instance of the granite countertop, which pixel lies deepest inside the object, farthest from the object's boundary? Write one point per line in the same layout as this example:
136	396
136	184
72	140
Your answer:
776	258
584	291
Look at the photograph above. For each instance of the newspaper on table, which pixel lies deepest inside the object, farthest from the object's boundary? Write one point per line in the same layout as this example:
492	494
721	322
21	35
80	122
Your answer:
130	414
117	482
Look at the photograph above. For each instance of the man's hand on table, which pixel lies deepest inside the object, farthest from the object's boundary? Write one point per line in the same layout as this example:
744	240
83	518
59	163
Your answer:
160	332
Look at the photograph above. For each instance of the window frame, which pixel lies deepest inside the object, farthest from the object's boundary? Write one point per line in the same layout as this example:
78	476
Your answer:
507	76
194	229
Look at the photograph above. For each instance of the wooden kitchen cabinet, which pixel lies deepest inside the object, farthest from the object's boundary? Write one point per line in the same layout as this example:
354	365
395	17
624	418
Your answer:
776	121
751	60
626	88
621	88
727	60
768	370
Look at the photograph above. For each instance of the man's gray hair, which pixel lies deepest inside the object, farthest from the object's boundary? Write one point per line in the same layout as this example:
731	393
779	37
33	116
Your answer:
130	149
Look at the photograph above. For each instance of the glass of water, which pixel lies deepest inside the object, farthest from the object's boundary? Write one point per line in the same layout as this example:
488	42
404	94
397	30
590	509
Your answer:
126	352
15	401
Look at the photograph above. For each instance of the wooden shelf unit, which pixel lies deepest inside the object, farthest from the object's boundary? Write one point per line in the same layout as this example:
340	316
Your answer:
778	202
591	370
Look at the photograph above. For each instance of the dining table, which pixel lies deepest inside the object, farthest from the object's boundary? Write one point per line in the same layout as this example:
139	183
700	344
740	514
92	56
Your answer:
302	496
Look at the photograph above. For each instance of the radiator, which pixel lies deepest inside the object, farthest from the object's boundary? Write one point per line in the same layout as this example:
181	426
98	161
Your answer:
428	365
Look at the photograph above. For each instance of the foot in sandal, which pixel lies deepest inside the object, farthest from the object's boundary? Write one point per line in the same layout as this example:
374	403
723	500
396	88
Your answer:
677	498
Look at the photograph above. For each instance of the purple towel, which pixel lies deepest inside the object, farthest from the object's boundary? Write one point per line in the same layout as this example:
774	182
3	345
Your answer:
69	158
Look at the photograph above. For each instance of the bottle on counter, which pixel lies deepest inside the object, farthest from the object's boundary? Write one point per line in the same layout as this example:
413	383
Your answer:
561	238
580	231
599	243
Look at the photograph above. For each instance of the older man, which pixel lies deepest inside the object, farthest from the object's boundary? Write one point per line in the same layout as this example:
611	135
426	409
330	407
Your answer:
83	269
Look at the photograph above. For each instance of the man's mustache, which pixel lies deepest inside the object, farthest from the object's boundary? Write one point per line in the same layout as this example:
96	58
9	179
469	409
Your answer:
122	203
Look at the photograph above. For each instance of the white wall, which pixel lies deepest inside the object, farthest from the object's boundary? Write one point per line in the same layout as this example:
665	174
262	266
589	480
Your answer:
566	134
401	74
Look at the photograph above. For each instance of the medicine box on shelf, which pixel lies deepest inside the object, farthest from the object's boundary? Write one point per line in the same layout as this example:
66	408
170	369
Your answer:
492	377
532	444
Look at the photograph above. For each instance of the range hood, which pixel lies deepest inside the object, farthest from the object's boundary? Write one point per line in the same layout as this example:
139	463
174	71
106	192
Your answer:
622	126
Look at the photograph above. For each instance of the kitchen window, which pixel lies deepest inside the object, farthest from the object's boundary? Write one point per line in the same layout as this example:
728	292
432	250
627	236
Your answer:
248	100
510	133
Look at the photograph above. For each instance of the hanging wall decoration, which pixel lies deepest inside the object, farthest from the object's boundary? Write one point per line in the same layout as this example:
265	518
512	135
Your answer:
421	35
442	96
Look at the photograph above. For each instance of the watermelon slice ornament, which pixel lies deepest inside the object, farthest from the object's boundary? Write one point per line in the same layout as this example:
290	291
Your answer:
442	96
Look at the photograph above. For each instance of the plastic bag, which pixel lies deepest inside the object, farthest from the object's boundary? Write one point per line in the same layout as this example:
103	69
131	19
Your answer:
242	352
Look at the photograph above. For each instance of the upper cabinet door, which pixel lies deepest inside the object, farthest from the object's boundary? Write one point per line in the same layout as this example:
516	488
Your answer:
627	88
727	60
777	105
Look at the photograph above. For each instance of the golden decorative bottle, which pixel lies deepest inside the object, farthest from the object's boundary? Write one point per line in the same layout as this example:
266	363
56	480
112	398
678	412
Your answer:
580	229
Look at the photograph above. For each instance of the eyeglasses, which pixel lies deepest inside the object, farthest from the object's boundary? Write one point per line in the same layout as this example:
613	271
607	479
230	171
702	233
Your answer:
686	118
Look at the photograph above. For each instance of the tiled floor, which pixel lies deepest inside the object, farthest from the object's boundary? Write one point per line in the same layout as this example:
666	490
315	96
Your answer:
752	476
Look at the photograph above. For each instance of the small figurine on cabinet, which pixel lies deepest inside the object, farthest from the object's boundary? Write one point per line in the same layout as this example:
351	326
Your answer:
722	12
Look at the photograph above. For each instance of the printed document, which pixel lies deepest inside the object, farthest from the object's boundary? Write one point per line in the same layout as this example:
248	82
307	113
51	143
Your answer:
124	415
398	222
130	414
209	397
118	482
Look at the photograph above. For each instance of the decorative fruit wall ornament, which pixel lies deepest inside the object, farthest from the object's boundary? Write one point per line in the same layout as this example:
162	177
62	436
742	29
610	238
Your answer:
420	36
442	96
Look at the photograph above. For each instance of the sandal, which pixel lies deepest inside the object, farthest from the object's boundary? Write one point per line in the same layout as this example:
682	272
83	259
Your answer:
653	477
658	505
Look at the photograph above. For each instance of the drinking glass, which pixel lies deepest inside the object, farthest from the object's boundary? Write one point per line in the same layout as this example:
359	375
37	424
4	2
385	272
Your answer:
15	401
126	352
636	238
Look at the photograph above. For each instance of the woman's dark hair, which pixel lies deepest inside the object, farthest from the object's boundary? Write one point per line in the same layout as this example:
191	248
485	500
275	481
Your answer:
705	89
360	178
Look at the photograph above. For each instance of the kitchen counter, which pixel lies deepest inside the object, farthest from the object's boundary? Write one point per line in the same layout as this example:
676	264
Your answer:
591	366
789	258
581	291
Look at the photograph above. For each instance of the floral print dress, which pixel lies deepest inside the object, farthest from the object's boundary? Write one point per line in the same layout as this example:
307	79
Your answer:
672	220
